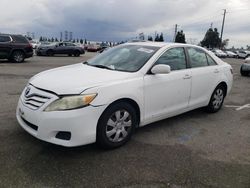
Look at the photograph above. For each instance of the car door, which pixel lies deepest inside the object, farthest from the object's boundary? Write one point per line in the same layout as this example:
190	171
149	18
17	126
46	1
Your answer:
60	48
70	47
5	46
167	94
205	75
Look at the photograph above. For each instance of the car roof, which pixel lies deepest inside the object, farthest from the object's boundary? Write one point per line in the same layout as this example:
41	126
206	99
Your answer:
5	34
160	44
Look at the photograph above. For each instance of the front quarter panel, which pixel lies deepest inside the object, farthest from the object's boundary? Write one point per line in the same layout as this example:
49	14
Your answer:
130	88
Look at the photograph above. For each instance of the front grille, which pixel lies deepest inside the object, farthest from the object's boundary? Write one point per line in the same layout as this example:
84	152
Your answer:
34	127
35	101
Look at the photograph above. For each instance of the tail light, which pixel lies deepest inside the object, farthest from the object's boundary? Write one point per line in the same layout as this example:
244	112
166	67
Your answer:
30	45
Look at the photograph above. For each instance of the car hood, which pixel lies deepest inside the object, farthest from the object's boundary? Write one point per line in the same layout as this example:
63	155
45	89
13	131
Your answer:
74	79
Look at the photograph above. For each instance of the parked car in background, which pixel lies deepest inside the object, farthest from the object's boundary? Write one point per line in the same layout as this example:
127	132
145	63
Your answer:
219	53
103	46
104	99
231	54
34	44
243	54
245	67
93	48
60	48
15	48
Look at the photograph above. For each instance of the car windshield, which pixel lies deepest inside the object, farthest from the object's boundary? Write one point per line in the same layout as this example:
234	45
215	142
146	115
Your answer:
128	58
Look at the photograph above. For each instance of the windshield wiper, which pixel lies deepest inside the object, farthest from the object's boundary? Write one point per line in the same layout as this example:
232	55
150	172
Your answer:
98	66
102	67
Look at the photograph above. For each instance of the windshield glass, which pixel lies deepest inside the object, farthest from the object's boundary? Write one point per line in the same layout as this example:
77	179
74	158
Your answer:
129	58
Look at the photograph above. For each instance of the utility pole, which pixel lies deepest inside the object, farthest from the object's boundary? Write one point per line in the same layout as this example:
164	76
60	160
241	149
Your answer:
222	27
175	32
211	26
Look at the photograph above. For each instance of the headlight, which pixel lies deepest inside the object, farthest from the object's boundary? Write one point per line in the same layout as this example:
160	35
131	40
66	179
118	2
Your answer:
70	102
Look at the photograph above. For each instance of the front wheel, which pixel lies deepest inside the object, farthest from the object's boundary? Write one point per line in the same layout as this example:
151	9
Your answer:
116	125
243	73
216	100
50	53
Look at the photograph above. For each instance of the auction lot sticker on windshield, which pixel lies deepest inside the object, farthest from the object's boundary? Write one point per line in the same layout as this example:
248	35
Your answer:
149	51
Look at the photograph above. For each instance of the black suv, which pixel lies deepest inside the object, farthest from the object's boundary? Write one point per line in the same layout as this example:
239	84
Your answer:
15	48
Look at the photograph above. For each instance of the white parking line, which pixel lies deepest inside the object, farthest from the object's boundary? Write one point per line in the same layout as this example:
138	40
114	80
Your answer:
238	107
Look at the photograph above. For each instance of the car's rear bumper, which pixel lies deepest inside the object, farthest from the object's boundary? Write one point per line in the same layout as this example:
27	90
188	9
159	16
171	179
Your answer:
28	54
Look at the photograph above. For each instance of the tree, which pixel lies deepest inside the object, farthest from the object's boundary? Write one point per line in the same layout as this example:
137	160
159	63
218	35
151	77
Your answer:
224	43
211	39
52	39
77	40
150	38
161	39
180	37
157	38
74	41
41	39
56	40
85	41
81	41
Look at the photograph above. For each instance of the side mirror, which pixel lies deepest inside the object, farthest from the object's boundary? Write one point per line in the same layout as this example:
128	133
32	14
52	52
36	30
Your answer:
161	69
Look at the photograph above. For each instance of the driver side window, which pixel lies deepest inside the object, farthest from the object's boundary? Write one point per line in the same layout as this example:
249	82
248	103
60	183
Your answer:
175	58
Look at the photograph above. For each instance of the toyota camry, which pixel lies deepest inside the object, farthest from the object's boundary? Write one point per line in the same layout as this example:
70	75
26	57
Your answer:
106	98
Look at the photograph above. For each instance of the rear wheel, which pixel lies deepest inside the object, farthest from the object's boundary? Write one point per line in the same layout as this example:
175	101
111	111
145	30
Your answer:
17	56
116	125
76	53
216	99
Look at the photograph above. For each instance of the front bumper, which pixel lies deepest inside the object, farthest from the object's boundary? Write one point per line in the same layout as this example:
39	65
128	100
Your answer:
80	123
40	51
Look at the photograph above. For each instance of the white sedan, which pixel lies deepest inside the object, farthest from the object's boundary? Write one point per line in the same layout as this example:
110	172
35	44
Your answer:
134	84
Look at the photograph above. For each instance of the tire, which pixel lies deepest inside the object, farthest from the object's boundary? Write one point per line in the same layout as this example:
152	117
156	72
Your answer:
50	53
116	125
76	53
243	73
17	56
216	100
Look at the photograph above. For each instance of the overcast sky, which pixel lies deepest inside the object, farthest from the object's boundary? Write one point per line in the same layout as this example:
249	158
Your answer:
114	20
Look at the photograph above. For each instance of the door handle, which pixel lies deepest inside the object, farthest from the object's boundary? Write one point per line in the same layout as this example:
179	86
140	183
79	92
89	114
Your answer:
187	76
216	71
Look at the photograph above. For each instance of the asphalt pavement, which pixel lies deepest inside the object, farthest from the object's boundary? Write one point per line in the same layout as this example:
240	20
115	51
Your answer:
195	149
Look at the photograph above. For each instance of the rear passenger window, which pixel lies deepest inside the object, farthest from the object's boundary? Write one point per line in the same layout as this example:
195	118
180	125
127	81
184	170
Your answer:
197	57
19	38
174	57
4	38
210	61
